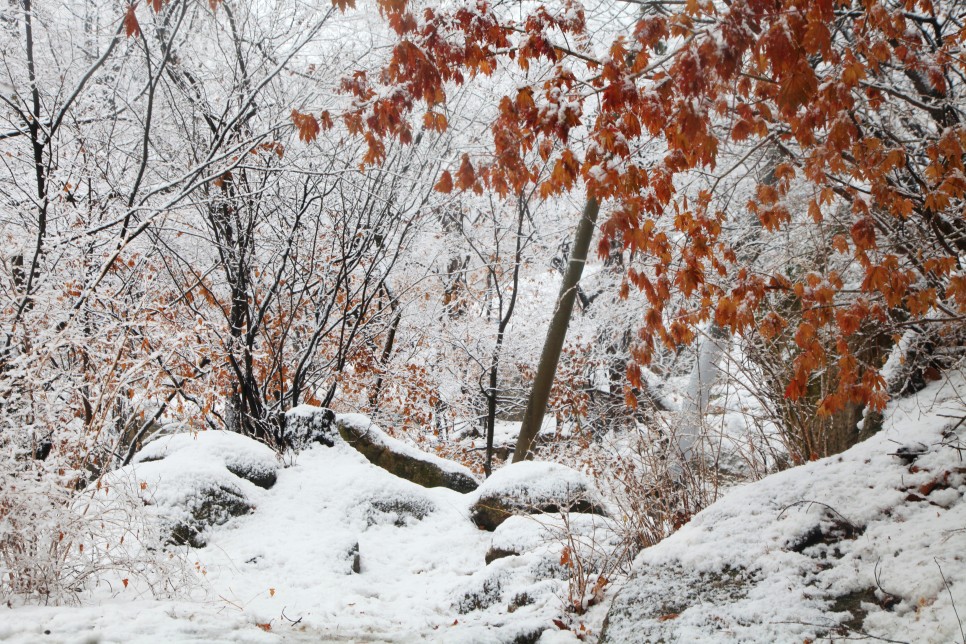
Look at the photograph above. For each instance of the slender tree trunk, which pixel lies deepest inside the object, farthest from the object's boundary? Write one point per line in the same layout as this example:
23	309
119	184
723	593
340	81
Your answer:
384	358
556	334
492	393
703	377
38	146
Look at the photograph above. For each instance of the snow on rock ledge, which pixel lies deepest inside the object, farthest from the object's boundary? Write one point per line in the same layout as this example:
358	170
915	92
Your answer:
401	459
863	545
532	487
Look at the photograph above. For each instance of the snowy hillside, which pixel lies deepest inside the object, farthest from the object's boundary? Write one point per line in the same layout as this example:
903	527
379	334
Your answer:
867	544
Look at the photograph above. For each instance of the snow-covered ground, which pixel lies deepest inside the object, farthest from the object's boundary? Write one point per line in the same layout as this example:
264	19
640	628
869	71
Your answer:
284	572
865	544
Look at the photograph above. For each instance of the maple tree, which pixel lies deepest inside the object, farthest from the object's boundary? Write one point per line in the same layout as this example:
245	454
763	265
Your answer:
860	100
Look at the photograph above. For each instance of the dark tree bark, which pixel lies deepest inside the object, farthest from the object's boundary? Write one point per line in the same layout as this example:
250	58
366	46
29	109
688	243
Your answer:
556	334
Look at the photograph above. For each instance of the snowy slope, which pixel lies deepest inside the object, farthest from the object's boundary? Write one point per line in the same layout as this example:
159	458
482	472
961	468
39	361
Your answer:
864	544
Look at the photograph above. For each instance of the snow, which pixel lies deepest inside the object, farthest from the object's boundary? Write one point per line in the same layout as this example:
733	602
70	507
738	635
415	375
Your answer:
533	482
176	472
747	569
594	536
290	560
412	575
206	449
134	622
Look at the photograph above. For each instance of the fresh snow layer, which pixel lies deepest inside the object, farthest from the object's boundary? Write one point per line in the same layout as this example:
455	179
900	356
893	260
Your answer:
747	569
856	545
533	482
228	448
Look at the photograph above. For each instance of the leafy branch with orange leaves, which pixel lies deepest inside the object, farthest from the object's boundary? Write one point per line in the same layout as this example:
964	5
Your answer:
862	103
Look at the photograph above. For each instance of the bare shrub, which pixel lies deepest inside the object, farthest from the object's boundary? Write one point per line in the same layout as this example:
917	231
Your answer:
58	544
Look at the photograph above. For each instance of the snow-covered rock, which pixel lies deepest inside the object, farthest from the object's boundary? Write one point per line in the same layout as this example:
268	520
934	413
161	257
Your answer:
195	481
306	425
592	535
394	508
532	487
240	455
401	459
863	545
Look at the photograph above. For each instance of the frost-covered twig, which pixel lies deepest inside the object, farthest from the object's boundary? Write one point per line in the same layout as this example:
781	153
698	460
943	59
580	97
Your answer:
952	601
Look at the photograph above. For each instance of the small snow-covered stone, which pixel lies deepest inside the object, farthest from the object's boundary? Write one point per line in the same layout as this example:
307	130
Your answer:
594	537
399	510
532	487
909	453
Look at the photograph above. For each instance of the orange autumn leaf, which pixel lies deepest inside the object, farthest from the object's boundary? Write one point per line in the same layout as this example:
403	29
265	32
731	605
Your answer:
306	125
131	26
445	183
465	175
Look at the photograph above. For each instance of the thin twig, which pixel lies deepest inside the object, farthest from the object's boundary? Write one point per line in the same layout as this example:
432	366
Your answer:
962	633
826	505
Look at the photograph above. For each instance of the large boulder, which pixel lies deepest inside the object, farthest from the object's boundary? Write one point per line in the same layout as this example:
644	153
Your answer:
401	459
532	487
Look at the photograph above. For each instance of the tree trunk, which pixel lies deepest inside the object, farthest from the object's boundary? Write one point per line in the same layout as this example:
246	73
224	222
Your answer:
556	334
703	377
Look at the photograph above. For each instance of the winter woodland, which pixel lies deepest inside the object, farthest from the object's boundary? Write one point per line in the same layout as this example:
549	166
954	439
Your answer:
412	320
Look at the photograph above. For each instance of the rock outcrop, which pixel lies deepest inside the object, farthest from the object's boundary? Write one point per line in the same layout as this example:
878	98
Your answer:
401	459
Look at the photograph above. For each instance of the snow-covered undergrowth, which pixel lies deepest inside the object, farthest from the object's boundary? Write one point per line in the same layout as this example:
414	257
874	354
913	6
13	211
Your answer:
864	544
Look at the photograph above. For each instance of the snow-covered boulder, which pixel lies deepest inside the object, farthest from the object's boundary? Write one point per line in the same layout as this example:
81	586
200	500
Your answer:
863	545
242	456
594	537
395	508
193	510
532	487
401	459
305	425
195	481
